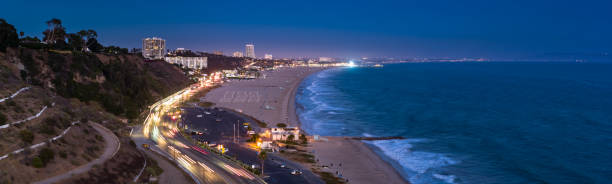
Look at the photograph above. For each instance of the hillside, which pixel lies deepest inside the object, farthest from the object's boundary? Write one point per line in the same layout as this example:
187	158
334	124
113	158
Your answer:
64	102
124	84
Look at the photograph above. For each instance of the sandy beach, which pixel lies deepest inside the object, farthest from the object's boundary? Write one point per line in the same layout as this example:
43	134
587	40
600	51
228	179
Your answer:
272	100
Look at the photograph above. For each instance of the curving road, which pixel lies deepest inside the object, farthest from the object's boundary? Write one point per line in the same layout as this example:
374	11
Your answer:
204	167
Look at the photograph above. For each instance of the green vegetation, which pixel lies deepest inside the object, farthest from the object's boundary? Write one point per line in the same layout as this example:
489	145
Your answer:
2	119
43	158
26	136
290	138
303	139
262	157
281	125
153	168
37	162
46	155
128	85
328	178
8	35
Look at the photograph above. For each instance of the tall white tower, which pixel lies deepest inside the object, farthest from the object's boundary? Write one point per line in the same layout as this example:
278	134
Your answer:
250	50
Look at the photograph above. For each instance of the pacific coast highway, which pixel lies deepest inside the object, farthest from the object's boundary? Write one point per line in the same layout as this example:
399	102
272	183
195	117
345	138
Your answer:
163	135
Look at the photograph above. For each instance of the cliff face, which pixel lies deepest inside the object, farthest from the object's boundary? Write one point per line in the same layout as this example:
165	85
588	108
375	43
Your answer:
122	84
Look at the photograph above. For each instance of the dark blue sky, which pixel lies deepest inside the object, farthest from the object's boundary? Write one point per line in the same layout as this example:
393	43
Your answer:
498	29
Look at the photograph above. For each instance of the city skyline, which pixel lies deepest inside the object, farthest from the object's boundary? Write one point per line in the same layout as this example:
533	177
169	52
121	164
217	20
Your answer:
518	30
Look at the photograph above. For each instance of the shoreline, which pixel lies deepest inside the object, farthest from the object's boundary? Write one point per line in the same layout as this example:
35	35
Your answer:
260	98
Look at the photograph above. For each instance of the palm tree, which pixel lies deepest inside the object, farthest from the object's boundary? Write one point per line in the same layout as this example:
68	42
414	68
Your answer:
262	157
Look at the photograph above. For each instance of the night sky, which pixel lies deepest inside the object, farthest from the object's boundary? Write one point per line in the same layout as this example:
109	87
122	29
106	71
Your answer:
496	29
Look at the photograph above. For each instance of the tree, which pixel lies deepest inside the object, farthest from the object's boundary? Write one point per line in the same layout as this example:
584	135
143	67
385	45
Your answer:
75	41
55	35
8	36
94	46
262	157
90	37
303	139
55	31
290	138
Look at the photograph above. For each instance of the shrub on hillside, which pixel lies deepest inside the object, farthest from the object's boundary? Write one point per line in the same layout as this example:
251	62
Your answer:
37	162
26	136
46	155
2	119
47	129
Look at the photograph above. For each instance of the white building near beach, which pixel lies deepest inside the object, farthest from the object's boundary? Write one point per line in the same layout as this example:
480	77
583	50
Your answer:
282	134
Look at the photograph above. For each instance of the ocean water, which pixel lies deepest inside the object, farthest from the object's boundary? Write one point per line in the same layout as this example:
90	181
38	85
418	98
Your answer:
493	122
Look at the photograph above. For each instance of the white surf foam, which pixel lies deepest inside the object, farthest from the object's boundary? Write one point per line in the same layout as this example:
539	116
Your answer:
418	165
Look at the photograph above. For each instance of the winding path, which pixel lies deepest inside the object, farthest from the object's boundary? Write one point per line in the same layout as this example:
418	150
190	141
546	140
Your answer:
15	94
110	149
42	143
27	119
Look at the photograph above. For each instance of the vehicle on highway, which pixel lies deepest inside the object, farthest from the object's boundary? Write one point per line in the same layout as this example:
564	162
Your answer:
283	166
296	172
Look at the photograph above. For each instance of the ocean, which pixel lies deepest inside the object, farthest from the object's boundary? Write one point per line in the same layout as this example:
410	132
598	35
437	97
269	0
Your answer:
478	122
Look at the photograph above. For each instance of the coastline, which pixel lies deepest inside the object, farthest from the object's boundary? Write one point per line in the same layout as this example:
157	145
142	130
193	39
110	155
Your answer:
272	100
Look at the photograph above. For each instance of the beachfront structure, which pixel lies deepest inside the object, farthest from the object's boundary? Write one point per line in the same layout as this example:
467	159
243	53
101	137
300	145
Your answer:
268	56
282	134
153	48
238	54
188	62
250	50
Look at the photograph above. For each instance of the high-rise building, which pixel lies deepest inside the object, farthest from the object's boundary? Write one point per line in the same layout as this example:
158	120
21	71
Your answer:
250	50
238	54
153	48
268	56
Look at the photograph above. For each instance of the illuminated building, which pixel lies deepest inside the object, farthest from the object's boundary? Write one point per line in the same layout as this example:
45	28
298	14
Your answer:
188	62
268	56
238	54
153	48
250	50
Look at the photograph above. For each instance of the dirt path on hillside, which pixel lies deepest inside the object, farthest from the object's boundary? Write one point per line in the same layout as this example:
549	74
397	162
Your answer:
110	149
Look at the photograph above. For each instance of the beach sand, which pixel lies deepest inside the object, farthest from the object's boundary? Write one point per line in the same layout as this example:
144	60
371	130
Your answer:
272	100
359	164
